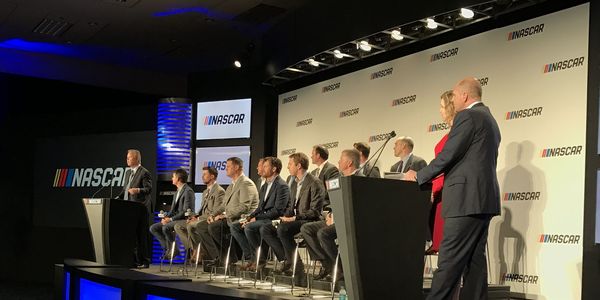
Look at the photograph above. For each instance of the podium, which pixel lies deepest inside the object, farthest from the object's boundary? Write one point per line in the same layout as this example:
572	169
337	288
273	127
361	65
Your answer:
381	227
113	224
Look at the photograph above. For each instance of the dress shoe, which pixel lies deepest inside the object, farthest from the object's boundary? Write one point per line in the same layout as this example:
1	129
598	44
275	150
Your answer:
142	266
322	274
247	266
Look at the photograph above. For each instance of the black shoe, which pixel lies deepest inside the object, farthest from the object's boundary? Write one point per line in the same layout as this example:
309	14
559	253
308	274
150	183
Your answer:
142	266
322	274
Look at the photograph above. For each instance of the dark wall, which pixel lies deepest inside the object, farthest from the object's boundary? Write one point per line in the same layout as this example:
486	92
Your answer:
591	251
32	108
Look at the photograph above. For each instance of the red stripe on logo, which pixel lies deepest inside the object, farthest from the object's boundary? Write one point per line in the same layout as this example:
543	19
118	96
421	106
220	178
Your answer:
63	177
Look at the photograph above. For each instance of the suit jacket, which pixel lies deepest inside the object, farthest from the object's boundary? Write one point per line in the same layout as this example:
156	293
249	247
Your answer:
468	161
142	180
414	163
185	200
329	172
211	201
367	170
309	203
272	206
240	198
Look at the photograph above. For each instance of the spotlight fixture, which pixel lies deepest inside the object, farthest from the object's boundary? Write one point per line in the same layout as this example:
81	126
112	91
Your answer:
466	13
364	46
338	54
431	24
237	64
313	62
396	35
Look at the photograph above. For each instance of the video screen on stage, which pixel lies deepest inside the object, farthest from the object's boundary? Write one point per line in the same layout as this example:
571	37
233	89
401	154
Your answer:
223	119
217	157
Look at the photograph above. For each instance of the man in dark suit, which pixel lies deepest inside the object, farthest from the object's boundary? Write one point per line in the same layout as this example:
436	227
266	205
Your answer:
212	198
320	236
305	206
365	168
138	187
274	197
403	149
471	195
164	231
325	170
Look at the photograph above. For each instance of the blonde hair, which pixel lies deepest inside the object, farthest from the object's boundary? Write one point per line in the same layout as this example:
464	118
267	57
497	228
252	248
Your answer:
447	97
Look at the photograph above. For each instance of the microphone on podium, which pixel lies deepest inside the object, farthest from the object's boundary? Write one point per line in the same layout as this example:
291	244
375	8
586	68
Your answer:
380	150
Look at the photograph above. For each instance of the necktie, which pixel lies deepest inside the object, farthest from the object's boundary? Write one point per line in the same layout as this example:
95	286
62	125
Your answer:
126	194
317	171
263	191
400	166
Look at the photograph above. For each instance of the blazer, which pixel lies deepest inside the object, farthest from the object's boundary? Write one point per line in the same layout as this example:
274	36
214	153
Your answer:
185	200
142	180
240	198
310	200
272	206
367	170
329	172
414	163
211	201
468	160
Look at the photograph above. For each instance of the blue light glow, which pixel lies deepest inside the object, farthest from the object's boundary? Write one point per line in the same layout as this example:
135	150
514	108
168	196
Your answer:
38	47
195	9
152	297
90	290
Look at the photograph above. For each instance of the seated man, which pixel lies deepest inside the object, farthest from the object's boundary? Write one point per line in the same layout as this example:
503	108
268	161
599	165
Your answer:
241	197
366	169
164	231
403	149
274	197
307	201
320	236
212	198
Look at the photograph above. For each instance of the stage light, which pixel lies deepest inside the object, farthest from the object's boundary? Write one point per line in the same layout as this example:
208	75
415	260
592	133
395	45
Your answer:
364	46
466	13
396	35
237	64
313	62
338	54
431	24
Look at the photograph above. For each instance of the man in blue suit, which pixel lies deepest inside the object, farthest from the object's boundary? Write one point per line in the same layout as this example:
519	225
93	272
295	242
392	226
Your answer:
274	197
164	231
471	195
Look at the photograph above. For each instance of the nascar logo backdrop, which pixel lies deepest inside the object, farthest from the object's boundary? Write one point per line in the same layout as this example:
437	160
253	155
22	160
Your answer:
534	78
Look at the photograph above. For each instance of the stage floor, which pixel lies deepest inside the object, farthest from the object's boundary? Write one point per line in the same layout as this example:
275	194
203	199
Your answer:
281	289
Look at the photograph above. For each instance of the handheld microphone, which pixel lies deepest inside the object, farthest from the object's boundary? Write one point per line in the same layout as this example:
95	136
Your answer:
161	214
380	150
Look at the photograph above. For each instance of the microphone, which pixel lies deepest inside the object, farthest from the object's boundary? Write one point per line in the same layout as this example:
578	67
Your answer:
380	150
189	212
161	214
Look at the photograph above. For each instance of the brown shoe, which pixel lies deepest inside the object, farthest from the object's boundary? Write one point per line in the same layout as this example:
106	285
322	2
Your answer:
246	267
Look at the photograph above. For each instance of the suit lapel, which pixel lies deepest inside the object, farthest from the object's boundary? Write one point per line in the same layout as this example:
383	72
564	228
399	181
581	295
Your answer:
235	188
408	163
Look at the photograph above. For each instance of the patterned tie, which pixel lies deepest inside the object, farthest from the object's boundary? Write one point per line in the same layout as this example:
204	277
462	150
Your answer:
400	166
126	194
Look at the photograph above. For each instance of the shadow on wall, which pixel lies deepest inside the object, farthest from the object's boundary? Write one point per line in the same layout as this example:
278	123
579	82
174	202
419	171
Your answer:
514	233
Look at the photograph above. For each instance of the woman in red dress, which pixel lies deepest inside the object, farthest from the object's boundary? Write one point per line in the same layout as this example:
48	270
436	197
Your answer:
447	112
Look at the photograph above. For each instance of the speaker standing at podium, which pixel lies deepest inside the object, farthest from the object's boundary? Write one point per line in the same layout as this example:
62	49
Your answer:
137	187
471	195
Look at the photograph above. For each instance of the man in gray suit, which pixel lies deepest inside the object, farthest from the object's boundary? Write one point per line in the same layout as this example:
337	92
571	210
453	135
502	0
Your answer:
164	231
212	198
365	168
241	198
471	194
138	187
325	170
274	197
403	148
305	206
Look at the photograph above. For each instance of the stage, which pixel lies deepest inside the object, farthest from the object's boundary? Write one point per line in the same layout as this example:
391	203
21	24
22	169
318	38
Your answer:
177	282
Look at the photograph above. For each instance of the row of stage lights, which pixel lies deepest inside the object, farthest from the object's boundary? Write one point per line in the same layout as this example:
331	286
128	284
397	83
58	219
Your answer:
395	37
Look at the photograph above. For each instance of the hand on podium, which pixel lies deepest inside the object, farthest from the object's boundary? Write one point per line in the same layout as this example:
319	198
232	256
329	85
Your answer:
410	175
